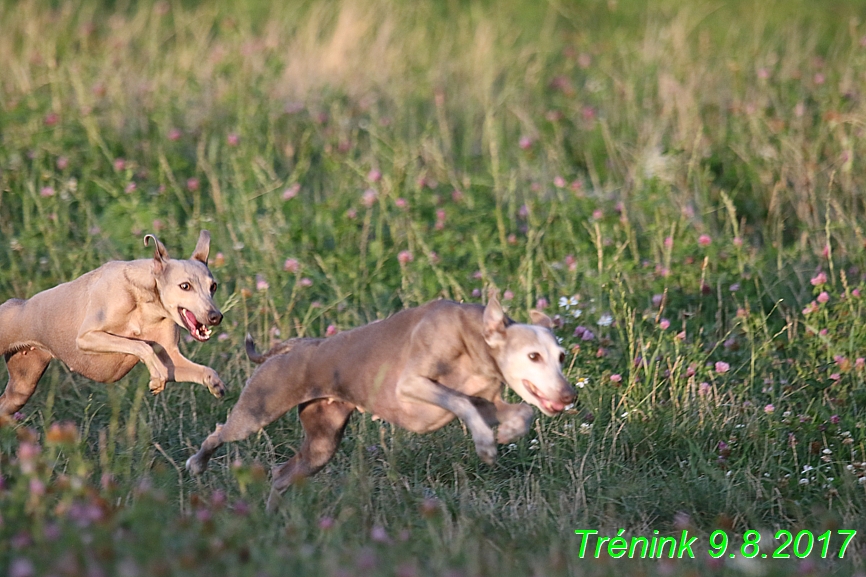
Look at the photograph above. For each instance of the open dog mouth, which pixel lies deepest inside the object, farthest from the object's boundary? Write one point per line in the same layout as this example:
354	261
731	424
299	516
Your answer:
548	406
198	331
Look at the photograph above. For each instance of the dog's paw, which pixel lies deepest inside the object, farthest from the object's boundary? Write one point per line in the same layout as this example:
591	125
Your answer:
516	426
156	385
194	465
487	454
486	448
511	430
214	384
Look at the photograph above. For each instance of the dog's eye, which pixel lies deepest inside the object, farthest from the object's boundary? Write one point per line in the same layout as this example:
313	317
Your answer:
561	358
213	288
185	286
534	357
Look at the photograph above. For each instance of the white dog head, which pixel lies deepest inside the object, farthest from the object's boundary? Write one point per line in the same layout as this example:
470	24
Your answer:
529	358
186	287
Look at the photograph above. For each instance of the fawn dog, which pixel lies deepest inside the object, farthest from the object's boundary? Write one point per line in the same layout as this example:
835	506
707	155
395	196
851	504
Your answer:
107	320
417	369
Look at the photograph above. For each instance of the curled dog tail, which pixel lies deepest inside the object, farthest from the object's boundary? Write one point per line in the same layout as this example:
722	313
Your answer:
252	353
277	349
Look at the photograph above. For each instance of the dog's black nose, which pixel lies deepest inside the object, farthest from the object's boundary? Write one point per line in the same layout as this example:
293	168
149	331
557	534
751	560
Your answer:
568	396
214	318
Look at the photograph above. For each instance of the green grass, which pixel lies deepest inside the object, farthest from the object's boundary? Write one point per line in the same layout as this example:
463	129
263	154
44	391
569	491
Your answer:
684	169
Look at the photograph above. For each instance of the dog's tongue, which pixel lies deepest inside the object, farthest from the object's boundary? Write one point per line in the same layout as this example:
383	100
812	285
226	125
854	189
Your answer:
553	406
190	319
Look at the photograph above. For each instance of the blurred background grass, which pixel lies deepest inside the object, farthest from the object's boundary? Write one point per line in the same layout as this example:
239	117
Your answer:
691	166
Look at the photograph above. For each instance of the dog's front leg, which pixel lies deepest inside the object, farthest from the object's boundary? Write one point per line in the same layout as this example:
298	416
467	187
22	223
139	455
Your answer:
97	341
514	419
418	388
182	369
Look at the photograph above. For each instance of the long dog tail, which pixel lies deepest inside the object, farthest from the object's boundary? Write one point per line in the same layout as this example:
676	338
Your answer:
252	353
277	349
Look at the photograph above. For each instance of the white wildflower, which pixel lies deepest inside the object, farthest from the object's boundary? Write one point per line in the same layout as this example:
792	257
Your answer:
568	302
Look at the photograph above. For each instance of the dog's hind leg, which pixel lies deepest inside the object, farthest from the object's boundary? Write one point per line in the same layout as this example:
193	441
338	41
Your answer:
25	367
240	425
324	421
268	396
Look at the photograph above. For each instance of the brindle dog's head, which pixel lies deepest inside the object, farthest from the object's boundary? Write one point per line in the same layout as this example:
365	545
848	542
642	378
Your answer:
186	287
529	358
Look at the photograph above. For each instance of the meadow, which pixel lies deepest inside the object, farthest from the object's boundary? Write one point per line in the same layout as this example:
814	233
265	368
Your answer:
679	183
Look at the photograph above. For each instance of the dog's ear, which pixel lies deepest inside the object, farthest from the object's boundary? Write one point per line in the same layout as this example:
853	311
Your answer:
160	255
493	323
202	247
540	319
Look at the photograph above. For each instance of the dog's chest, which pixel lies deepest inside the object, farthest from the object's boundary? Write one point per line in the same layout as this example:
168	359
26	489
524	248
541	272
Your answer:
103	367
140	327
423	417
419	417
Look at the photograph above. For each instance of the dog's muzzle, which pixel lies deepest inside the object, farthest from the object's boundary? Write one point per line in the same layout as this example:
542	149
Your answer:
214	318
568	395
551	405
196	328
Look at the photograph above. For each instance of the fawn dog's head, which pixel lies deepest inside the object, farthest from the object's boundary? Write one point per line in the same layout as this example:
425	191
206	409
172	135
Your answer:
186	287
528	357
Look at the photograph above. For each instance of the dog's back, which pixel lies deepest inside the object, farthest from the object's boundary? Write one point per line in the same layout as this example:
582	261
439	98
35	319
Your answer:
280	348
362	365
49	319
